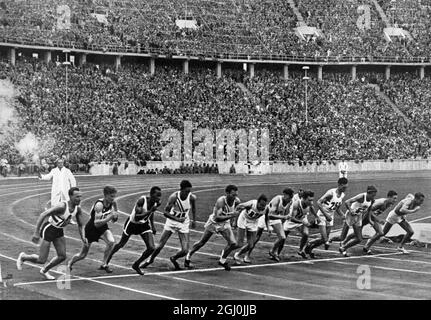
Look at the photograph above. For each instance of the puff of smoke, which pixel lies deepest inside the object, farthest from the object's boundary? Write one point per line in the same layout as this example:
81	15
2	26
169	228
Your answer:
34	149
28	147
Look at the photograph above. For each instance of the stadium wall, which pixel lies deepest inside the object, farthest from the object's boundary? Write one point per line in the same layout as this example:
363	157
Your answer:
273	167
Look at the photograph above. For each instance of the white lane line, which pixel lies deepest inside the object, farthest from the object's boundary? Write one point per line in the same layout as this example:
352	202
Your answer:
100	186
35	245
322	250
96	279
251	266
166	274
77	279
386	268
99	282
241	290
405	260
341	289
122	276
310	261
420	219
10	209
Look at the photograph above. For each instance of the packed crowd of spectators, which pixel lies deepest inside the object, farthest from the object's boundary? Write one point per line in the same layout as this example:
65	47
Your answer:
339	21
412	96
121	115
254	28
413	16
345	120
101	119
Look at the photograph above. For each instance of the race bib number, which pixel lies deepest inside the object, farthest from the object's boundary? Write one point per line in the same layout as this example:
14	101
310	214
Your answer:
334	206
179	214
252	214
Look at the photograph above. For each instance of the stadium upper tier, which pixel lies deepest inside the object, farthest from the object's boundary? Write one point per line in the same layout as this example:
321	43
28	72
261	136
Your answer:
111	116
245	28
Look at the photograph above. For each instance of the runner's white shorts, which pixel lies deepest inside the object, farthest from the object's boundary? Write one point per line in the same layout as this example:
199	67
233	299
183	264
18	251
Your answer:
353	219
290	225
217	227
248	224
175	226
393	218
262	225
322	219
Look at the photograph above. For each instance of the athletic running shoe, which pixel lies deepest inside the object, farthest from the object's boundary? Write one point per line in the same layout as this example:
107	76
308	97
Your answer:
401	249
312	255
187	264
367	251
73	222
247	259
302	254
138	270
274	256
327	245
47	275
386	240
175	263
106	268
19	261
237	258
225	265
343	251
146	264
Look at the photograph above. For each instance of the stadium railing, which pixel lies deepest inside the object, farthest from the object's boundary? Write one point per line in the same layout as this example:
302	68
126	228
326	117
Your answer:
147	51
274	167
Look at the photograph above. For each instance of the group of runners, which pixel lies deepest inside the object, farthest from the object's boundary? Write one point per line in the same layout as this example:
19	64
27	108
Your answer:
281	215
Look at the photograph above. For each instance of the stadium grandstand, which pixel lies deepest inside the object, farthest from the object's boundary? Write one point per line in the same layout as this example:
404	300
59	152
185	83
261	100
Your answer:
220	64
